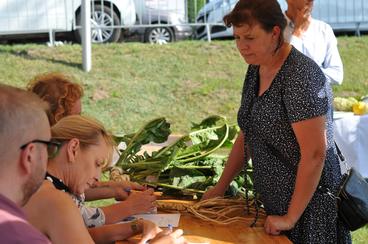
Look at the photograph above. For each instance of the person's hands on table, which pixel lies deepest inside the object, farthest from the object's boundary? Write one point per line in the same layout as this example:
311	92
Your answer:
141	202
121	189
275	224
169	237
150	230
213	192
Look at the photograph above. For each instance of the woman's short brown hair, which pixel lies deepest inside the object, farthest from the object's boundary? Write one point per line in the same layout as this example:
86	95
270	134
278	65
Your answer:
267	13
59	91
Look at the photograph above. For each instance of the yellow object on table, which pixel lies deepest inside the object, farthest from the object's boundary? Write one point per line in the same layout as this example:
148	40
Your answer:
360	108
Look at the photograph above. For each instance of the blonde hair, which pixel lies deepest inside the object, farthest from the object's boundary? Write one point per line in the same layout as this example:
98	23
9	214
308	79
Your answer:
20	113
87	130
59	91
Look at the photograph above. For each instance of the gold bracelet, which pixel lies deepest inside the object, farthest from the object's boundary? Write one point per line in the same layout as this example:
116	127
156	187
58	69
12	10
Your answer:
134	226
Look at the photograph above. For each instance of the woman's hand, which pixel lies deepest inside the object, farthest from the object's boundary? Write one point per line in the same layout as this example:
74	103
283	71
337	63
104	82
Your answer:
112	189
168	237
121	189
234	165
150	230
275	224
213	192
141	202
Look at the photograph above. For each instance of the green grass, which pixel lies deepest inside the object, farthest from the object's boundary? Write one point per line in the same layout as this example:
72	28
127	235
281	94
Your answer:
131	83
184	81
360	236
354	53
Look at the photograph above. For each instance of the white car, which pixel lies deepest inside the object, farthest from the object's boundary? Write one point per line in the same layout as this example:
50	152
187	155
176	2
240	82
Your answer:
341	15
38	16
167	17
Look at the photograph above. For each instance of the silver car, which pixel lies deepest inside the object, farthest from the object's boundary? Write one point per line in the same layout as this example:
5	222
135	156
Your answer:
161	23
342	15
213	12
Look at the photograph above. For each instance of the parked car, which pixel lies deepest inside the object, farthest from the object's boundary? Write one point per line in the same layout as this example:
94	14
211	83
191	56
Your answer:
21	17
161	21
342	15
213	12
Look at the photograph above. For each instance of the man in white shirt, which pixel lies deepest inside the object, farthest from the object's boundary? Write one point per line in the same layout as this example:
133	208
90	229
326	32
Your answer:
314	38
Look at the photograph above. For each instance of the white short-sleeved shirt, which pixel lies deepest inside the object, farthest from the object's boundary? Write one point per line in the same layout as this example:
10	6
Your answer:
320	44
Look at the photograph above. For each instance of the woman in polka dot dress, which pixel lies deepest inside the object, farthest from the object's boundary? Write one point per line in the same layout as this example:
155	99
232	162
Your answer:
285	130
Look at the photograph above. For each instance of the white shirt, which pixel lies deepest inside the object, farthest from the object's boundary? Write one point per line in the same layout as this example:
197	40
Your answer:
318	43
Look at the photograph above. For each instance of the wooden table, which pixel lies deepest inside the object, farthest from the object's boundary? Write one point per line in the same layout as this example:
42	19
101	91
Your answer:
201	232
196	230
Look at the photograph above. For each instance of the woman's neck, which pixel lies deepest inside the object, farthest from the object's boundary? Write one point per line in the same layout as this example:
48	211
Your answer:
291	14
278	58
300	24
55	170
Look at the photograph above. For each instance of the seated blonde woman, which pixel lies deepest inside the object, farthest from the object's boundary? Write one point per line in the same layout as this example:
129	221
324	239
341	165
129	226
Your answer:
64	97
85	147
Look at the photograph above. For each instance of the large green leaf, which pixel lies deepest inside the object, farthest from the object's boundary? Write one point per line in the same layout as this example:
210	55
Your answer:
188	165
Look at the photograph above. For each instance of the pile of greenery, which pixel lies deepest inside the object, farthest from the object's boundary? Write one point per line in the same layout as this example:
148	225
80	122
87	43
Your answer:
187	166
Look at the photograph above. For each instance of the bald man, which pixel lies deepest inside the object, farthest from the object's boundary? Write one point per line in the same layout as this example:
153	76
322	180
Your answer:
24	143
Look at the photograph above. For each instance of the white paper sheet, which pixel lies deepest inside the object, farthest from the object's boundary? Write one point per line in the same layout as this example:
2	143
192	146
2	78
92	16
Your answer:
162	220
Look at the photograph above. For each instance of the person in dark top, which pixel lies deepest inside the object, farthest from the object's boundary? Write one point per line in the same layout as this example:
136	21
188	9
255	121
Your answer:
24	143
284	130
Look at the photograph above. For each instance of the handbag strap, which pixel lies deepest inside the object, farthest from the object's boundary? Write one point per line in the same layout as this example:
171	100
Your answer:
327	190
341	157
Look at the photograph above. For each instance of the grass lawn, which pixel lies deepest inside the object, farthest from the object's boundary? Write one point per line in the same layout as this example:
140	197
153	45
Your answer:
131	83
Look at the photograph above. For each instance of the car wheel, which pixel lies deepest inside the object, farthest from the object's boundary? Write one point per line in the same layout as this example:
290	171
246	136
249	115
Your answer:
159	35
102	22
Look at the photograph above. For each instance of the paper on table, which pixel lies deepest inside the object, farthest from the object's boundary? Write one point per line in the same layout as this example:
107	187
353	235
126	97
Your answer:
162	220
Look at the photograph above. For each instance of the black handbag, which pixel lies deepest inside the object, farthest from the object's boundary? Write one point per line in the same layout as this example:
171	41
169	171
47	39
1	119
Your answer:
352	197
352	200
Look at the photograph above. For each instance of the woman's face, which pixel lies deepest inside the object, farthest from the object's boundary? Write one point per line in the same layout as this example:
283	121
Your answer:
300	5
87	167
77	108
255	45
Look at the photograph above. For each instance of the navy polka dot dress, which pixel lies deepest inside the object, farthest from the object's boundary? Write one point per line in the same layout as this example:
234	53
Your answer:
298	92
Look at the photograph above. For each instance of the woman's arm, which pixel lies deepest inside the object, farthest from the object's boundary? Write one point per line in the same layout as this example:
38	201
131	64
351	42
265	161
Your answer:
233	166
311	136
123	231
111	189
136	203
111	233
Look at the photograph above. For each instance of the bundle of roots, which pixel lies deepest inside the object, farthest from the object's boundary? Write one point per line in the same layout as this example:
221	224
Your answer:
221	211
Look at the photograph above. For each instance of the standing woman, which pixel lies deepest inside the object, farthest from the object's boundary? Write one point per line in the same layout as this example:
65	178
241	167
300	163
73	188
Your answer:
284	130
